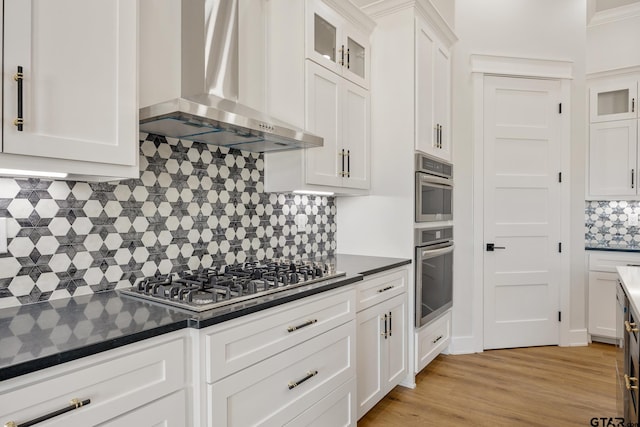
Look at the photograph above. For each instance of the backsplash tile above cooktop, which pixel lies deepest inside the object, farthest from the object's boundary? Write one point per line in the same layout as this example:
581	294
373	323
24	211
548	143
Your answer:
607	224
194	205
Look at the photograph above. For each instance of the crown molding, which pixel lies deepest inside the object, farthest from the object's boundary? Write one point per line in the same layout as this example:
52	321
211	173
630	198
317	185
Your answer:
615	14
526	67
425	8
353	13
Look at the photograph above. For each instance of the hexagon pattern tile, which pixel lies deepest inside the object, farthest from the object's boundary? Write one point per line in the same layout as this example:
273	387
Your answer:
607	224
193	205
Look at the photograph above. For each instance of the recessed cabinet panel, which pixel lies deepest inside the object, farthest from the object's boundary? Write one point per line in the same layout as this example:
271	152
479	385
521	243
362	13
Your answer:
78	88
613	159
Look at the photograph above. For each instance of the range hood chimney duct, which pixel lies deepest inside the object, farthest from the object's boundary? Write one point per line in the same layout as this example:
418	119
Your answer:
208	109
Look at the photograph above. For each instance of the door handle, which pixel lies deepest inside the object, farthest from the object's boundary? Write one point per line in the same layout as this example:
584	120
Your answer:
492	246
19	121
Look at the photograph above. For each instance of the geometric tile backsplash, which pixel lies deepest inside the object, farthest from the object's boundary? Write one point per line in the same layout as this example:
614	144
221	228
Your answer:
606	223
194	205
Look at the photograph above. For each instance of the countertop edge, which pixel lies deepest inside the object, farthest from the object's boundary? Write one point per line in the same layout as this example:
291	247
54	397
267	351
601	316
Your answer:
631	250
386	267
31	366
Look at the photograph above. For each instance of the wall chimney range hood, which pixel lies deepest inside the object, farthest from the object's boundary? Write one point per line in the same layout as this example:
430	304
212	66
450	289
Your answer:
208	109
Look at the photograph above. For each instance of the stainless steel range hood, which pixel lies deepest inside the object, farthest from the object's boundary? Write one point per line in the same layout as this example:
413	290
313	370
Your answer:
208	109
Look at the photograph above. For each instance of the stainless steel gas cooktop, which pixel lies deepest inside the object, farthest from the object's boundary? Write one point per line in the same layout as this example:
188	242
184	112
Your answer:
210	288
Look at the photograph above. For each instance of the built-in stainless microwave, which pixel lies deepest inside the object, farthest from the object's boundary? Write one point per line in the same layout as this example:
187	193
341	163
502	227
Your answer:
434	189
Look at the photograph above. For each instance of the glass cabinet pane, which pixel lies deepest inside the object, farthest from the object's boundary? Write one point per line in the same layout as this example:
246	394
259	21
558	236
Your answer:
614	102
324	38
355	57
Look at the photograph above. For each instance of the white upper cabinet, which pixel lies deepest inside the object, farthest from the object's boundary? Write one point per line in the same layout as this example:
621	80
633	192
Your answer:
614	99
76	94
335	44
338	111
321	86
433	93
613	156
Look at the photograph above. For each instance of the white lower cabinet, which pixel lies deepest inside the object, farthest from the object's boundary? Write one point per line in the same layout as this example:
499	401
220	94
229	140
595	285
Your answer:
432	339
602	291
381	346
131	382
295	363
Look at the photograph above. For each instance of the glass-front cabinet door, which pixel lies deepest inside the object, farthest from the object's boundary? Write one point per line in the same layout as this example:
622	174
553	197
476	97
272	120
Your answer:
333	43
614	100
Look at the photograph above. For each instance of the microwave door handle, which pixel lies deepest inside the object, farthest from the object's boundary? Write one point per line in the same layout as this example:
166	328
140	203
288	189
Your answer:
430	253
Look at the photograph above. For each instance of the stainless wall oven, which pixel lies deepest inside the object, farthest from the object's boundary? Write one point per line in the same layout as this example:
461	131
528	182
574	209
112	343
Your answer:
434	273
434	189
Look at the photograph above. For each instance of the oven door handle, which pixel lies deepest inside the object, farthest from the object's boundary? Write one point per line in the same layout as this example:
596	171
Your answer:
430	253
435	181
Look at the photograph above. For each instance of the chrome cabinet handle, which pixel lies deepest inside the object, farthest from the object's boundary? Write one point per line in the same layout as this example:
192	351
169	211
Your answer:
303	325
385	333
75	404
19	121
294	384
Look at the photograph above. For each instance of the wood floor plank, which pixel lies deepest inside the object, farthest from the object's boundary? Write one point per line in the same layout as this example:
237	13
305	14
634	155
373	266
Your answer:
537	386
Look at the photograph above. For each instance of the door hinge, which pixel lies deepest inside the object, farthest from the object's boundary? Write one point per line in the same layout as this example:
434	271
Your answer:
559	316
560	108
560	247
559	176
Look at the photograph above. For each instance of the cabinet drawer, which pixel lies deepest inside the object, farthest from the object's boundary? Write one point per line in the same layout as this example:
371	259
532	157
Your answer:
170	411
270	385
609	261
432	340
380	288
249	340
336	409
117	381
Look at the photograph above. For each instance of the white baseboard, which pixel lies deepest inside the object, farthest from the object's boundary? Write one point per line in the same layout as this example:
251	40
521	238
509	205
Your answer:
409	381
461	345
578	338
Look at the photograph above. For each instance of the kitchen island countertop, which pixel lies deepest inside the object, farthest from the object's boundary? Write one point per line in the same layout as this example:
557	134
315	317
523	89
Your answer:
37	336
630	277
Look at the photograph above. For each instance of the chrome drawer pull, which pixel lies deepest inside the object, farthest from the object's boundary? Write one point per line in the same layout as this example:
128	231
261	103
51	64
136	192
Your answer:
294	384
305	324
75	404
385	289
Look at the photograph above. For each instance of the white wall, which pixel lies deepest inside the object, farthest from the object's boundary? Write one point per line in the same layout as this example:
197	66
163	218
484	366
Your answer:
545	29
613	45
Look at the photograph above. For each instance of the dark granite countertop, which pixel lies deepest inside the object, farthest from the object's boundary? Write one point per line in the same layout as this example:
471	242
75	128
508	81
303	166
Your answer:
37	336
612	248
367	265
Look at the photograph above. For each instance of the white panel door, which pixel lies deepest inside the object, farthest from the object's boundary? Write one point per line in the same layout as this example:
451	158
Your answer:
442	97
602	304
396	361
612	158
522	134
79	63
370	346
323	118
355	135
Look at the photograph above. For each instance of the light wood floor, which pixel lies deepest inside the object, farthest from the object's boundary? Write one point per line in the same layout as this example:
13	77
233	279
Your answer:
538	386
